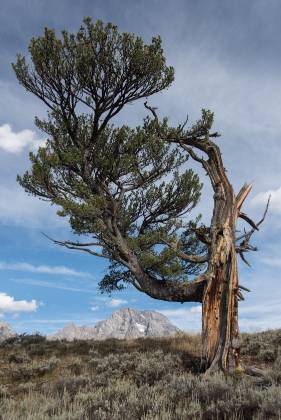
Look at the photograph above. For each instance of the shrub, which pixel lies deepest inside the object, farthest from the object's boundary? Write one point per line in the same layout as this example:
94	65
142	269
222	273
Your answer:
135	380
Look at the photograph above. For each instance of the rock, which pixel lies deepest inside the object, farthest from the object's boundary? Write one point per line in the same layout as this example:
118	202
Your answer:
5	331
125	323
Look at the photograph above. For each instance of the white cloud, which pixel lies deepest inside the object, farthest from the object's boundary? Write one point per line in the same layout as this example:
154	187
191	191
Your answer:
95	308
259	316
275	200
15	142
9	304
44	269
48	284
113	303
187	319
18	208
272	261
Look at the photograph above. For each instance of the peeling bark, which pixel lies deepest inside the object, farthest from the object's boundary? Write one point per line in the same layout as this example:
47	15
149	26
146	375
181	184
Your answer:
220	333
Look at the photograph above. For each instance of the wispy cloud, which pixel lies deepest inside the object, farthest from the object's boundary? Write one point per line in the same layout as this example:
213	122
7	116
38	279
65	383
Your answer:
95	308
8	304
252	316
260	316
275	200
43	269
26	210
187	319
114	303
58	321
51	285
272	261
15	142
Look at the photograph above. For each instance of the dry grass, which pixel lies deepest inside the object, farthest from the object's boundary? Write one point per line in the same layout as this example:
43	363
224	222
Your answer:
141	379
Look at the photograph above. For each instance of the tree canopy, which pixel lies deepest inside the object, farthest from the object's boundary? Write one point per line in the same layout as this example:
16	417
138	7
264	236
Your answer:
127	189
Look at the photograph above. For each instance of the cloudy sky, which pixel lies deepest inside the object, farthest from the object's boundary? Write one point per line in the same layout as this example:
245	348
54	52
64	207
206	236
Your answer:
227	57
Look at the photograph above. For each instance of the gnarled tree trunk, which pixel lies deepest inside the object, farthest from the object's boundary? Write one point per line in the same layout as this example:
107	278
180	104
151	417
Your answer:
220	301
220	334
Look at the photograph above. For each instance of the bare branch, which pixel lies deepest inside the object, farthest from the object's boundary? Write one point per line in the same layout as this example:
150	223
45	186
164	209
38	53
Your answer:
181	126
245	246
248	220
152	110
78	244
240	295
243	288
67	244
193	154
247	235
242	195
244	259
199	259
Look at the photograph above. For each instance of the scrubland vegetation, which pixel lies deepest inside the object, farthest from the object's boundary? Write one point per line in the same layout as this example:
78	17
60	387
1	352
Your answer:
143	379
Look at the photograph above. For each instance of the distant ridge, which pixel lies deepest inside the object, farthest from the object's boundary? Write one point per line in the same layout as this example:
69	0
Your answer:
125	323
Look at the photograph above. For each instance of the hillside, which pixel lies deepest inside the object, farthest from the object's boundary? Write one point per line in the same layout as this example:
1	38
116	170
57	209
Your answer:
144	378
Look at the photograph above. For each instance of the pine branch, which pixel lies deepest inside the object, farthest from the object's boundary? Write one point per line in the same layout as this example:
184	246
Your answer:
79	246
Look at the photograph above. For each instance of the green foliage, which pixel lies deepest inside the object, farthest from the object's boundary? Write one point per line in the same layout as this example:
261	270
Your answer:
97	67
125	188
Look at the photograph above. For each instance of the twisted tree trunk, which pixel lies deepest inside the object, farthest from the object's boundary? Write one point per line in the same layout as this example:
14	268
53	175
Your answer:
220	301
220	333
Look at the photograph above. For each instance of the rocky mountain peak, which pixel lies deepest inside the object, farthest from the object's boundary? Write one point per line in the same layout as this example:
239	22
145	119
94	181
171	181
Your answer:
125	323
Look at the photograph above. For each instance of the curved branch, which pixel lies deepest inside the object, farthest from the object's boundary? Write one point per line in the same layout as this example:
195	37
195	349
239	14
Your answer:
245	245
199	259
247	235
244	259
248	220
152	110
172	290
73	245
194	156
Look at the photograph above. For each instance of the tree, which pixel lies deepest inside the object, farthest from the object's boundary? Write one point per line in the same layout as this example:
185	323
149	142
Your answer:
127	188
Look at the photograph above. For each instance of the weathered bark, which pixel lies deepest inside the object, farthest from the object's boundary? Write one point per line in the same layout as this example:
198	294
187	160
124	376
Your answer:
169	290
220	302
220	334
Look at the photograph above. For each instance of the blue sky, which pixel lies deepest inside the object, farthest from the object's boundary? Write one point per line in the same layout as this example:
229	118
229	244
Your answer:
227	58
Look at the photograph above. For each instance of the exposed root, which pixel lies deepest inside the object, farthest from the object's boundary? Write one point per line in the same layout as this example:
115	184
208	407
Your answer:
259	376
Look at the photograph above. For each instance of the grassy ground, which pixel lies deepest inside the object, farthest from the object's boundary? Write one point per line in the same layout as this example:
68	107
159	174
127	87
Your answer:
138	379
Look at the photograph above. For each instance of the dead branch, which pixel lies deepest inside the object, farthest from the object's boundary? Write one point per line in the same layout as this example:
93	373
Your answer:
244	259
248	220
240	295
152	110
69	245
245	245
248	234
243	288
76	243
242	195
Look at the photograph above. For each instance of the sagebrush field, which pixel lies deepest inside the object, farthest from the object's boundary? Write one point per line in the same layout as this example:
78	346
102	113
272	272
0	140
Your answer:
135	379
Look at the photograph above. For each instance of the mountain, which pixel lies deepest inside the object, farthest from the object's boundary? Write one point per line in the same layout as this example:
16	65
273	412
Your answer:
5	331
125	323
